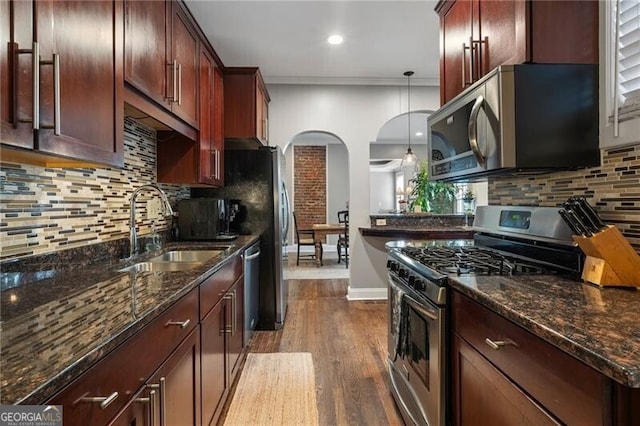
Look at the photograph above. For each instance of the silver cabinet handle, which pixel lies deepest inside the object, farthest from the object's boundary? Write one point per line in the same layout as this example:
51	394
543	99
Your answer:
151	399
465	83
497	344
163	405
56	94
179	84
104	401
55	61
232	297
252	256
182	324
174	82
35	69
218	171
473	131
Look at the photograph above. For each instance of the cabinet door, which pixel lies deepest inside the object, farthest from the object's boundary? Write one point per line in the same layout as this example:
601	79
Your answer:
214	381
499	26
483	395
178	384
218	125
184	52
210	152
16	102
145	47
455	50
235	326
88	87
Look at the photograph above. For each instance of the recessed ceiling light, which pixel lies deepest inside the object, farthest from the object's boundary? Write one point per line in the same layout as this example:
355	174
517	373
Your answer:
335	39
419	133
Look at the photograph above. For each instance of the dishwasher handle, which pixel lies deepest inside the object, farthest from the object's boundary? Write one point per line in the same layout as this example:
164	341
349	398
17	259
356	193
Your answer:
252	256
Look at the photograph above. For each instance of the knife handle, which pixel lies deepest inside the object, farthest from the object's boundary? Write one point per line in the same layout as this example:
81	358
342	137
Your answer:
593	215
582	228
568	221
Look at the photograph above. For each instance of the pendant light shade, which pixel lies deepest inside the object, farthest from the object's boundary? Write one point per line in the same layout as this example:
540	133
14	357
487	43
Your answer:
409	158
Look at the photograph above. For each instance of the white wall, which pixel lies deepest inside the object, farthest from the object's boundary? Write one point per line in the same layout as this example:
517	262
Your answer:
382	196
337	184
354	114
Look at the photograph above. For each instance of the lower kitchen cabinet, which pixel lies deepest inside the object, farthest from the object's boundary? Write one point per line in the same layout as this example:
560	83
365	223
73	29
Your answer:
171	396
484	395
503	374
98	395
222	330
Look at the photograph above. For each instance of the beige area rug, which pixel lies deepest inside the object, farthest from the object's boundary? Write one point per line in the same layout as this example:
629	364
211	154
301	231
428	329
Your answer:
275	389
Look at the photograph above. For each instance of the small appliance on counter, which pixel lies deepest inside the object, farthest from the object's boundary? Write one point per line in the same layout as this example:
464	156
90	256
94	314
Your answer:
206	219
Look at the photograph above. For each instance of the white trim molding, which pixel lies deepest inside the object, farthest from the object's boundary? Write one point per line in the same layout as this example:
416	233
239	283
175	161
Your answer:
367	293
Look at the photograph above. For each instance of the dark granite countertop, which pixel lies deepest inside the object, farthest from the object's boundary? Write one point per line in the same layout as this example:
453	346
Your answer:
599	326
448	232
56	324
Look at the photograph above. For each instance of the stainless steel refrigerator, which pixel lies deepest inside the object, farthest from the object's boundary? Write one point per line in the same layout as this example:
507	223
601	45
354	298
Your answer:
254	179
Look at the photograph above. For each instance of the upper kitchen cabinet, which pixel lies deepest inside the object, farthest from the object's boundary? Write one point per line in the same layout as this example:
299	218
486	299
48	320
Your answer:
479	35
246	105
201	162
61	71
161	60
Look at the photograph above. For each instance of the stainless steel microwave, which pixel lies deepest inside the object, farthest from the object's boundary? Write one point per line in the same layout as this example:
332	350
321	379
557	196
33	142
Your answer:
518	118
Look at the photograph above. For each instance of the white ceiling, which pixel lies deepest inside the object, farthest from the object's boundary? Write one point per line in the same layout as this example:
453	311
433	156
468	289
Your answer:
287	39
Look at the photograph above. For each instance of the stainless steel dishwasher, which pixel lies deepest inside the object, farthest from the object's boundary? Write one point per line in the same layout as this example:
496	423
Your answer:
251	289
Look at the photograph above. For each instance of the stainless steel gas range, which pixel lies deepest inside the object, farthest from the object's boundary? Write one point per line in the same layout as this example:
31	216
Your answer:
507	241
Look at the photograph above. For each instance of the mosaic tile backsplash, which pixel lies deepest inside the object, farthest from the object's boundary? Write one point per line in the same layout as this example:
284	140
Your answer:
44	210
613	189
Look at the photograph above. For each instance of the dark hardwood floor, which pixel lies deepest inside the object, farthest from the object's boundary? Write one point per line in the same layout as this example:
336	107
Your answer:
348	342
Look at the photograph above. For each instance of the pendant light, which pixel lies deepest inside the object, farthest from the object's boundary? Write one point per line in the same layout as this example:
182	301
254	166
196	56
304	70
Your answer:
409	158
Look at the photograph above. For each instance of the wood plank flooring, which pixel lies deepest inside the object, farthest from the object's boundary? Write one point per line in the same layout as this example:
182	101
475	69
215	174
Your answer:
348	343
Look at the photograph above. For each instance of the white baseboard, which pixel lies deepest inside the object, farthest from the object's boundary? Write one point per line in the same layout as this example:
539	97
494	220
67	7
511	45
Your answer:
367	293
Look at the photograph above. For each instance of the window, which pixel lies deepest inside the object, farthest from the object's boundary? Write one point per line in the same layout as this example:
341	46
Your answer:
620	73
628	57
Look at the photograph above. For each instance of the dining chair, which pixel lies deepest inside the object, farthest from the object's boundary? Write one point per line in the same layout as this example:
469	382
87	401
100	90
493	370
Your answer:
343	239
305	237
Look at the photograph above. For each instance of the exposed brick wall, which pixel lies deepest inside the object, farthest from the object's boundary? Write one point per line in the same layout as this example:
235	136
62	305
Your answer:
310	184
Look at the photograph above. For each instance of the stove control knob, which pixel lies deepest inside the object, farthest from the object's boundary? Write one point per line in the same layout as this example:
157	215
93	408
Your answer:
402	272
391	265
419	285
412	280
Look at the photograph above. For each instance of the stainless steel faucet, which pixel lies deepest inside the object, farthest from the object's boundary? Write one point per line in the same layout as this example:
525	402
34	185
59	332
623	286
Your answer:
133	237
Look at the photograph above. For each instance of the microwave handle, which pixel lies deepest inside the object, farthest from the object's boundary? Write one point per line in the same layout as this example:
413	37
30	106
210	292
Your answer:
473	131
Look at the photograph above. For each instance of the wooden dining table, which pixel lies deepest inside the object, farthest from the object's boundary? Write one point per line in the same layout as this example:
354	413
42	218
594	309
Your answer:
321	230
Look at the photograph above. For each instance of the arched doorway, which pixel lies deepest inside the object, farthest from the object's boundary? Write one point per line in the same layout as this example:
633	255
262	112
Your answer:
318	180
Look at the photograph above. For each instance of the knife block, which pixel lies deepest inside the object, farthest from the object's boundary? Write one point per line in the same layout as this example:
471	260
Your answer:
611	261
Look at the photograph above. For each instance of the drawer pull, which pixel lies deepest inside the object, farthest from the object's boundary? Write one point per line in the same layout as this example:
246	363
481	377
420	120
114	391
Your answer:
182	324
104	401
499	343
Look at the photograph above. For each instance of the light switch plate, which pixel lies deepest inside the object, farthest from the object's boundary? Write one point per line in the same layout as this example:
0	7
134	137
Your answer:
154	208
381	222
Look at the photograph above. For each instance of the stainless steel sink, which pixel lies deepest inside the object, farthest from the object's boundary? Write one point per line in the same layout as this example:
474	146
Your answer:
186	256
160	266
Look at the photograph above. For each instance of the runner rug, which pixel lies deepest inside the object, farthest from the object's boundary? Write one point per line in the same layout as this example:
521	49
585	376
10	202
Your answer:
275	389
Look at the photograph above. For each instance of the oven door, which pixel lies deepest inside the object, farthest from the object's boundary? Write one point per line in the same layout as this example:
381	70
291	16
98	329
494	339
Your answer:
416	348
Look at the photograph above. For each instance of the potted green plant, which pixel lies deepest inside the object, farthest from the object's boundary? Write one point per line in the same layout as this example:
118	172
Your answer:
433	197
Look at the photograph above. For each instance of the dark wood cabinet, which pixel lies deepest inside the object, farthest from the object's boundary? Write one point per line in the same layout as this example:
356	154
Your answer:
178	382
222	331
504	372
246	105
161	57
99	394
78	94
479	35
483	394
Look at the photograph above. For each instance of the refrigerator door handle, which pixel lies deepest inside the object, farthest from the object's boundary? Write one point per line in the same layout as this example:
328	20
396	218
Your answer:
288	211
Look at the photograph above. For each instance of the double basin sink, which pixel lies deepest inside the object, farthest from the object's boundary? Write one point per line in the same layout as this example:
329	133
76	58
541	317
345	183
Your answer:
176	260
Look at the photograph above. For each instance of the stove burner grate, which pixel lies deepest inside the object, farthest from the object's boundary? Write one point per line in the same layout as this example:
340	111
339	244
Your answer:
474	261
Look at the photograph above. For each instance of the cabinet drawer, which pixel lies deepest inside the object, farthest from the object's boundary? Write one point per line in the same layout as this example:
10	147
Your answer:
571	390
126	368
214	287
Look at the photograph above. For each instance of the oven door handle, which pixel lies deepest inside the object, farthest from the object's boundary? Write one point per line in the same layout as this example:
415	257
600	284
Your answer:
421	308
